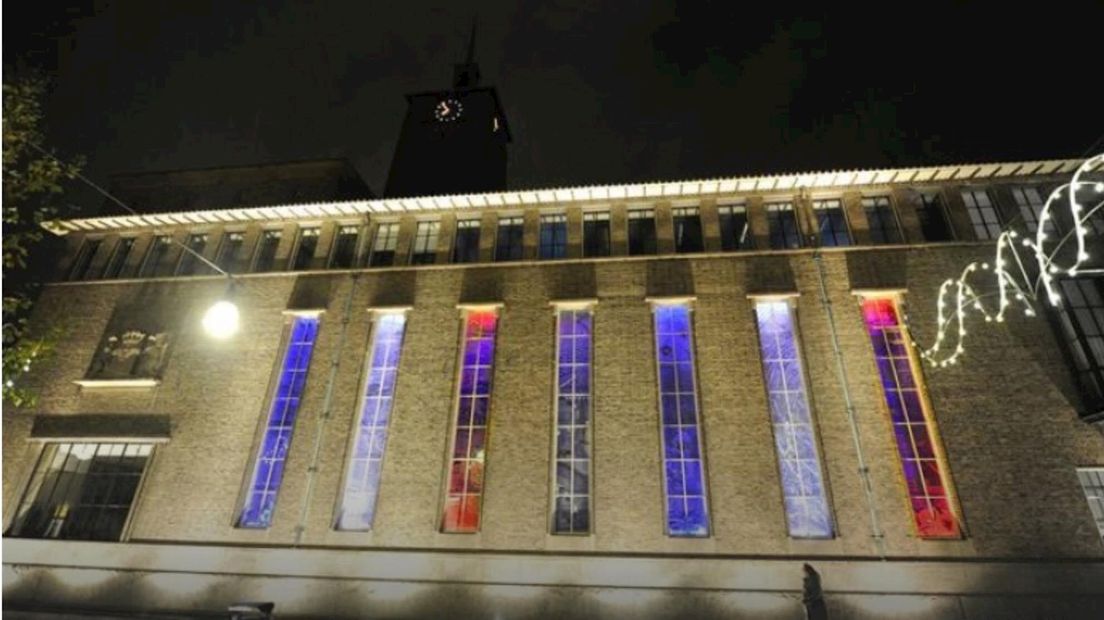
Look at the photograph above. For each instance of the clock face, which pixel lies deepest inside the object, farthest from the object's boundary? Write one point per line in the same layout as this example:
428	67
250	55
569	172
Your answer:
448	110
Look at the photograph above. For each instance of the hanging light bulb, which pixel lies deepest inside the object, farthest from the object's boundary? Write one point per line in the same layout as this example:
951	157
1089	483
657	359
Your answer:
222	319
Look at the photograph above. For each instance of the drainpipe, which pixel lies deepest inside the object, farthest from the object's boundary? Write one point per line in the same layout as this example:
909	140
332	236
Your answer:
324	417
841	371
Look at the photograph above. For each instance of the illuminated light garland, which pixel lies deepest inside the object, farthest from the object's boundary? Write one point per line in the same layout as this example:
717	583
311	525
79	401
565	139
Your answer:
1015	281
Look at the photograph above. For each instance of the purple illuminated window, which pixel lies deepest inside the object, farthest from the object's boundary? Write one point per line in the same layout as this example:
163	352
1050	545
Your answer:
358	503
269	468
464	496
795	442
571	511
684	469
913	426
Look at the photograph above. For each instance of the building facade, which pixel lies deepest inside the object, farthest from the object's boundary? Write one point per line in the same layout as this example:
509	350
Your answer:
656	400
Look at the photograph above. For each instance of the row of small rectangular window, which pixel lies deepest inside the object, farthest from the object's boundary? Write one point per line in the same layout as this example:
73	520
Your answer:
85	490
784	232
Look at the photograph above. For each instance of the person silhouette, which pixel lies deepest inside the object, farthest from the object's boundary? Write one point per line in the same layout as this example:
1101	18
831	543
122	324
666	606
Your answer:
812	597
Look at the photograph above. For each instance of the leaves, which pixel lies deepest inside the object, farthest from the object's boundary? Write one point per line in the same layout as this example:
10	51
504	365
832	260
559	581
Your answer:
32	184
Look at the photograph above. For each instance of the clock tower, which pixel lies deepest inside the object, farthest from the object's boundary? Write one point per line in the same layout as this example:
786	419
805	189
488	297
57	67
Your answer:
452	141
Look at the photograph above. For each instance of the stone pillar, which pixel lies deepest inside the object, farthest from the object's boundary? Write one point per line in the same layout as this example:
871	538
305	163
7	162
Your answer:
138	252
574	232
445	235
619	230
530	234
326	237
665	228
711	225
906	202
1006	206
288	241
250	243
757	222
488	232
856	218
99	259
957	216
408	226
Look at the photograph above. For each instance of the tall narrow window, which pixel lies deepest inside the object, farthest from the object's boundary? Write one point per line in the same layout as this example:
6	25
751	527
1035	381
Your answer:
229	252
305	248
933	218
1092	483
424	251
344	251
688	230
735	232
266	251
508	244
596	233
468	450
466	249
642	232
268	469
119	258
84	258
81	491
882	220
571	493
358	502
553	236
1030	204
156	260
683	465
189	261
384	243
983	215
782	224
914	429
831	223
795	439
1082	321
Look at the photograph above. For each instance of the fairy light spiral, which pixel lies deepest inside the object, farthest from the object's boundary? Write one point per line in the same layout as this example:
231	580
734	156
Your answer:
1015	286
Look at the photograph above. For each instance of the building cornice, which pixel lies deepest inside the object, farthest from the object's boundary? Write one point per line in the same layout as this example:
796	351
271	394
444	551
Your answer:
703	188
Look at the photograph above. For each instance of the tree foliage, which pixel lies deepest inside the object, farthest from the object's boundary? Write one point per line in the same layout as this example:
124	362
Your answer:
32	188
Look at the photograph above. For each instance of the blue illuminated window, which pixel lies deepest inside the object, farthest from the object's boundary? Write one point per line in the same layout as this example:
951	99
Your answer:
684	468
571	503
795	442
358	503
269	468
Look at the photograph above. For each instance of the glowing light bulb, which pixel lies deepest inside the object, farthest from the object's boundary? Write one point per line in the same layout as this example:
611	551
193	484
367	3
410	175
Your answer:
221	320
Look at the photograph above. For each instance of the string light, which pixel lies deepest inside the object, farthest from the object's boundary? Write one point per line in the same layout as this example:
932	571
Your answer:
1025	291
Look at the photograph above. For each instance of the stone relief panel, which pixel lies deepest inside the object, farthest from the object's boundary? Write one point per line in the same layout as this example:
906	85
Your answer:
130	354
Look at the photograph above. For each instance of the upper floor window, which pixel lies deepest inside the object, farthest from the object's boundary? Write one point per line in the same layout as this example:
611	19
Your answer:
229	252
735	232
266	250
81	491
305	248
1082	321
553	236
983	214
831	223
83	262
882	220
782	224
344	251
156	260
1030	205
933	218
119	256
596	233
189	261
383	245
1092	483
508	245
466	249
688	230
424	250
642	232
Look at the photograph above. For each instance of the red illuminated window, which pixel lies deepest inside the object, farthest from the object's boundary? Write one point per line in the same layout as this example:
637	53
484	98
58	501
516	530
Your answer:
464	495
930	494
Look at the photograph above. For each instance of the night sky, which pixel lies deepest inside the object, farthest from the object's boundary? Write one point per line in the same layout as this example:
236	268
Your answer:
630	91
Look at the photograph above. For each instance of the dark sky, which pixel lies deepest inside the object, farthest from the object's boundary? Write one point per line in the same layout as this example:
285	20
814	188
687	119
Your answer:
626	91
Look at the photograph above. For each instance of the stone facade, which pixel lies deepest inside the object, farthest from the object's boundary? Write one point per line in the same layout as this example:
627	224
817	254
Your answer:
1011	435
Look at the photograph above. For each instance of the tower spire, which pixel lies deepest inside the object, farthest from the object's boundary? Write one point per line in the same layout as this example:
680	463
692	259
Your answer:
466	74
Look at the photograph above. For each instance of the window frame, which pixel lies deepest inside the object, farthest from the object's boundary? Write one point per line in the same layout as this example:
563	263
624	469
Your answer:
687	214
938	205
872	202
335	244
560	307
823	205
390	242
639	214
557	220
730	210
783	206
90	246
120	267
190	260
979	210
1096	500
223	241
597	215
255	261
467	224
516	251
431	252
